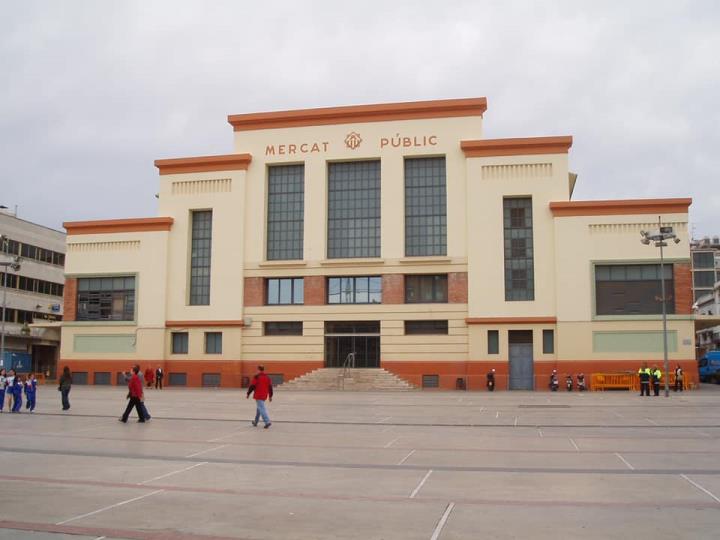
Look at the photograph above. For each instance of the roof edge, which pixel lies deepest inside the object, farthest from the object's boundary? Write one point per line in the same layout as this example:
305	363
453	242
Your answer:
620	207
227	162
517	146
118	225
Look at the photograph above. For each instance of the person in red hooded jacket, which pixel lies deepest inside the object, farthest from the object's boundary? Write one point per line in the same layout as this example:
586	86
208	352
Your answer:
262	387
136	396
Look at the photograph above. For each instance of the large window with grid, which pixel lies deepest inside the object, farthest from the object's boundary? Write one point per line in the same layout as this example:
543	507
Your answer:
285	291
632	289
354	209
285	216
422	289
518	240
355	290
201	244
106	298
425	207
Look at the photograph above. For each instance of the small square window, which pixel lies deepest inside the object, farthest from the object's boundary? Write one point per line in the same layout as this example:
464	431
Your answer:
213	342
179	343
431	381
548	342
177	379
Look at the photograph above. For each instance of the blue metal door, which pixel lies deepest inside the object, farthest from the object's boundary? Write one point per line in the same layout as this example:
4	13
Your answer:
521	366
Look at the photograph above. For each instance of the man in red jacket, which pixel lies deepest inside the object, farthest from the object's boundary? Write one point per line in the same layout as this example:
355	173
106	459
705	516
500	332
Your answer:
136	396
262	386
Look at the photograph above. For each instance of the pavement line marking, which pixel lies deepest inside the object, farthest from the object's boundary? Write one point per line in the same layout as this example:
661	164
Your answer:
540	432
216	439
575	444
111	506
172	473
481	410
497	414
101	538
653	422
618	414
388	445
208	450
625	461
383	419
515	423
421	484
443	520
700	487
386	428
403	460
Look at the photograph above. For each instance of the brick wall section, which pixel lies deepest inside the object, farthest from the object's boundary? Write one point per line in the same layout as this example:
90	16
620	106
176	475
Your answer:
70	299
682	277
393	289
315	290
254	293
458	288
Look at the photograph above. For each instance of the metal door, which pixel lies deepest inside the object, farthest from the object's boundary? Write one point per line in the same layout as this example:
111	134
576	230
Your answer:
521	366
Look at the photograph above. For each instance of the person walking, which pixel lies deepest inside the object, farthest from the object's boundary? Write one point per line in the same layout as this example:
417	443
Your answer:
135	393
64	387
644	374
17	390
678	378
30	392
261	388
159	373
656	377
9	382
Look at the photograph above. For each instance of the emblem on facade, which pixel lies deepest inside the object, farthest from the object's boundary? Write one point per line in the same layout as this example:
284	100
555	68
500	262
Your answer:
353	140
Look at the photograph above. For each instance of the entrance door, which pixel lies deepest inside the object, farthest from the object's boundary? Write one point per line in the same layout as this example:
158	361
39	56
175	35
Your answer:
361	338
522	374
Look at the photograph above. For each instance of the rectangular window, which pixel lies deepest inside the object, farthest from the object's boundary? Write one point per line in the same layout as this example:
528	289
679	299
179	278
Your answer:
704	278
177	379
703	259
353	209
426	289
213	342
548	342
355	290
102	378
425	327
493	341
518	239
285	291
179	342
201	244
633	289
425	207
285	213
431	381
106	298
211	380
283	328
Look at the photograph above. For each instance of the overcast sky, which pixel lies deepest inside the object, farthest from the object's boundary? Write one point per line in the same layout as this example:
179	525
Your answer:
93	91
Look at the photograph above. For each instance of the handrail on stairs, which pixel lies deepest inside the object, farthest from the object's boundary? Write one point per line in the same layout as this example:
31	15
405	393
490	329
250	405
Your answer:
349	363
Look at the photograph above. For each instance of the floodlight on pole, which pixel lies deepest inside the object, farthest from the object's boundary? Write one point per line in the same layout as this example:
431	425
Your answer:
659	238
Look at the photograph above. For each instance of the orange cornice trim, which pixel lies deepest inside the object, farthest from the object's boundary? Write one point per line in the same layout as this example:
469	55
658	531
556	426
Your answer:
197	324
229	162
516	147
444	108
118	225
620	207
511	320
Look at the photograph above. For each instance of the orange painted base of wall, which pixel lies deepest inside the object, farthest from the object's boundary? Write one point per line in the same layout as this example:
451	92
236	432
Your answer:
231	372
473	373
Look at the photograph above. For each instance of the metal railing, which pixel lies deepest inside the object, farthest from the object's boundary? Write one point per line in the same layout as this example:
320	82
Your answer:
349	363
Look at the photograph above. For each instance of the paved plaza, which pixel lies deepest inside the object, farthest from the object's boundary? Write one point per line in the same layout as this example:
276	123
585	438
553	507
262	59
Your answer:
415	465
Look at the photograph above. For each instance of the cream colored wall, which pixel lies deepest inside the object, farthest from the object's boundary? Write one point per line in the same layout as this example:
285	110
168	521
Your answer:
231	344
447	132
227	201
478	341
511	176
583	240
143	254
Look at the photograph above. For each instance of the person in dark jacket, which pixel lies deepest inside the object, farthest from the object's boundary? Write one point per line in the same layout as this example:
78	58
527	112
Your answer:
490	382
644	375
261	388
136	396
64	387
159	374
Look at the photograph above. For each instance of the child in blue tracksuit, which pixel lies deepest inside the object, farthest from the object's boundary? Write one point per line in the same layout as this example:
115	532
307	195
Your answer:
3	382
30	392
17	389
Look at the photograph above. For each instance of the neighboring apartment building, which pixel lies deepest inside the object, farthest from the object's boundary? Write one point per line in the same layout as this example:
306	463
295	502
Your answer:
706	283
34	294
393	231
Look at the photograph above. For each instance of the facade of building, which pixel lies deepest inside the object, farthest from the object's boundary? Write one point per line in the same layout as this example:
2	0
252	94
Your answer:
706	286
34	293
395	232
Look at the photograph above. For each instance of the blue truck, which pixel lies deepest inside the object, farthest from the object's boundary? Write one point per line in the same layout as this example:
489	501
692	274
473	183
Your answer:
709	367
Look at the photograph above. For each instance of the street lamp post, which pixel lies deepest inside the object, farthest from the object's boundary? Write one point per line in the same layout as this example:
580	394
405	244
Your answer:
13	264
659	238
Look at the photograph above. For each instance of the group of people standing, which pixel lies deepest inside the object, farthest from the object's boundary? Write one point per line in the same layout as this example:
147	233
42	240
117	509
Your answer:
653	376
13	385
154	377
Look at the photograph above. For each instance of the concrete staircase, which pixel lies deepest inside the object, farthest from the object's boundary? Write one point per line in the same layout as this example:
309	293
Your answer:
358	379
